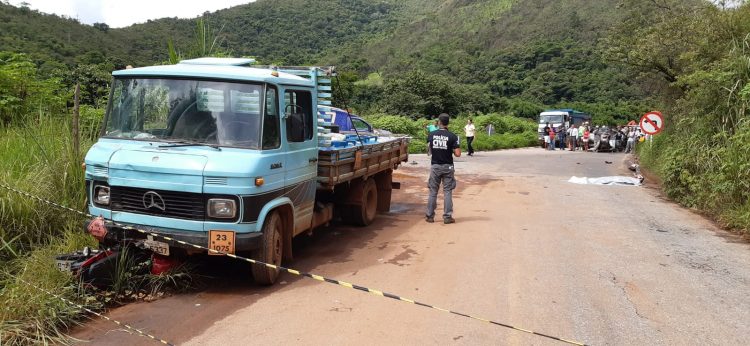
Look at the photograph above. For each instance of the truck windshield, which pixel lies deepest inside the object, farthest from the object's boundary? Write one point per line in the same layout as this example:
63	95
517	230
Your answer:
185	111
543	119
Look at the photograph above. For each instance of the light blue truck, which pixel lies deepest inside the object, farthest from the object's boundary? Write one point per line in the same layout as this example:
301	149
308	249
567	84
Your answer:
220	153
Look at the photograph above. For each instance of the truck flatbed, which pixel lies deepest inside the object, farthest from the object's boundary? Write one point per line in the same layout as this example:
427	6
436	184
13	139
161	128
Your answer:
337	166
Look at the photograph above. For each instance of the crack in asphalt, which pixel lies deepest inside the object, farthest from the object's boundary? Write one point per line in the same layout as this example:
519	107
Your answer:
613	279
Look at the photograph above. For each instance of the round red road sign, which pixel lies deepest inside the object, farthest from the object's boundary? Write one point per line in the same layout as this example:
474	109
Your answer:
652	123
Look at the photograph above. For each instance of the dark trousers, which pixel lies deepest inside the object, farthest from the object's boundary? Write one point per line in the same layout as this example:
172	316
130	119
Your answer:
446	175
469	140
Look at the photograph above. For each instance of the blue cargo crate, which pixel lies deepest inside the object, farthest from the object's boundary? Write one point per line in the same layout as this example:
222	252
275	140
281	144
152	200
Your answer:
339	144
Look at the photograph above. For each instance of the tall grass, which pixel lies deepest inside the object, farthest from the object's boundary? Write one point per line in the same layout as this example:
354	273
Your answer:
38	158
30	316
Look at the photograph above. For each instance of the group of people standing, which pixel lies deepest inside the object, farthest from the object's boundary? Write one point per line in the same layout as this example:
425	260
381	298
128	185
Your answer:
580	137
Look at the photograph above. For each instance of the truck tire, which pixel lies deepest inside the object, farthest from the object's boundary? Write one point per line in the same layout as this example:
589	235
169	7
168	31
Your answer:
271	250
384	182
364	208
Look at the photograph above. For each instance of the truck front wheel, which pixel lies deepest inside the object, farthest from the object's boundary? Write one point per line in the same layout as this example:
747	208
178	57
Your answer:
271	250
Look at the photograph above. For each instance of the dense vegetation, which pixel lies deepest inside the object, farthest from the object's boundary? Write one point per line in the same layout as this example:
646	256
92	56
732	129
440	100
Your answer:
700	65
37	156
480	56
498	57
400	62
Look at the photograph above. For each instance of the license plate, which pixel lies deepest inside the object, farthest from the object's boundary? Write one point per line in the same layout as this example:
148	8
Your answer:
65	266
222	241
158	247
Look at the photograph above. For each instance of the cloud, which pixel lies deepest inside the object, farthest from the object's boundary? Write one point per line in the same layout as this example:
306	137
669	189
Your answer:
88	11
118	13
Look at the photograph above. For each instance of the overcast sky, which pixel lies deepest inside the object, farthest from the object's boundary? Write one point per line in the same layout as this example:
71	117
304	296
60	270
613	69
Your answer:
120	13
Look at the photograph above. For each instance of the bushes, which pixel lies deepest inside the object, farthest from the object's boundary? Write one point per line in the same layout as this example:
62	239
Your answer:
707	173
418	146
504	123
510	132
703	156
396	124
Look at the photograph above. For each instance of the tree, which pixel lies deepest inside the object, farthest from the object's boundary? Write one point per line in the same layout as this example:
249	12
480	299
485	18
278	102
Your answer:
23	93
418	94
101	26
665	37
94	80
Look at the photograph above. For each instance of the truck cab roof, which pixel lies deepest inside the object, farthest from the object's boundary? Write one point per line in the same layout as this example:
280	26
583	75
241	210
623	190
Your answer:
217	68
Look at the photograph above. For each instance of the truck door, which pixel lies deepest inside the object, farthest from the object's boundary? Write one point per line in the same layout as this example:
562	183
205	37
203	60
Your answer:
301	155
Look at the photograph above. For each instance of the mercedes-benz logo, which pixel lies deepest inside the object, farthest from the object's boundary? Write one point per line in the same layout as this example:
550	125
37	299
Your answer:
152	199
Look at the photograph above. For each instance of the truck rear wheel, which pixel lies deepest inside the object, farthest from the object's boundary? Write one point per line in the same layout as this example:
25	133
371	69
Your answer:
271	250
364	208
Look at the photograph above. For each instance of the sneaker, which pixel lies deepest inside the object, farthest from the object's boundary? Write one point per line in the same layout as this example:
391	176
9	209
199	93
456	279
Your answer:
449	220
429	219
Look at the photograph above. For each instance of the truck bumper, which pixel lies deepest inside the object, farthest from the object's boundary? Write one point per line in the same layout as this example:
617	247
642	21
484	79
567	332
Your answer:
116	234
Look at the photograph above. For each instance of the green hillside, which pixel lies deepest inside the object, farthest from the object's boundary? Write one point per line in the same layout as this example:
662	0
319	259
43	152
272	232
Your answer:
285	31
281	31
54	41
518	55
514	56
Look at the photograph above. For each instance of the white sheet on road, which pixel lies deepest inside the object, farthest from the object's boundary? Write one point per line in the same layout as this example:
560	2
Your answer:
613	180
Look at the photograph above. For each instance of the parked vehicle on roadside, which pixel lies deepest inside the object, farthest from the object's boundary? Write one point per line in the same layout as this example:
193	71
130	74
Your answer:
221	154
559	118
344	121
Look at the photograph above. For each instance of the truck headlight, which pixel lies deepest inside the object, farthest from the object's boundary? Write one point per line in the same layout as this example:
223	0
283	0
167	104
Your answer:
222	208
101	194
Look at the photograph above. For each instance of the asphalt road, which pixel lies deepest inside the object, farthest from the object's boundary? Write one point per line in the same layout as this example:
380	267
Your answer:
596	264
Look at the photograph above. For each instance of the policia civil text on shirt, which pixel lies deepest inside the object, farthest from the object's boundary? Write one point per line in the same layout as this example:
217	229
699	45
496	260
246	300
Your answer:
442	145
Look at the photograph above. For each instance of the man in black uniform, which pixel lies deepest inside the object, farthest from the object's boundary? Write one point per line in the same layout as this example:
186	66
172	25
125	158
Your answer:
442	145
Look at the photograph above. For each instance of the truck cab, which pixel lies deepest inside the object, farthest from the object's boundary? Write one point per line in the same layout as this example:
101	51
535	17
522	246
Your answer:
217	153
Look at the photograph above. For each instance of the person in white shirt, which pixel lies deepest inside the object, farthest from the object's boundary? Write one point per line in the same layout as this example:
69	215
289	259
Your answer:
572	137
469	129
631	142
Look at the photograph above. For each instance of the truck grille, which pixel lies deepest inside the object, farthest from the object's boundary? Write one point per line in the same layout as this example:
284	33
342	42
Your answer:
183	205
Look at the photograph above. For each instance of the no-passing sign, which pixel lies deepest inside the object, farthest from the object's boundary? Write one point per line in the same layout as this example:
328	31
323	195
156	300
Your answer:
652	123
